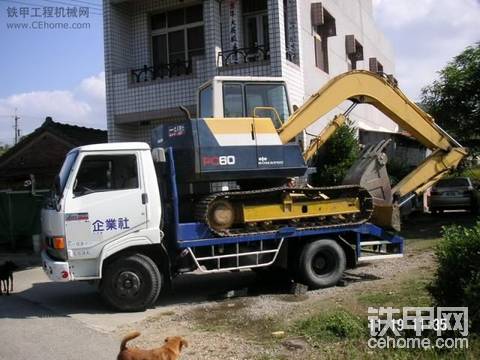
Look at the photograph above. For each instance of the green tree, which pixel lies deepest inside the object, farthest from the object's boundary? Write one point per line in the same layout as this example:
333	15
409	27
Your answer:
454	99
3	149
336	157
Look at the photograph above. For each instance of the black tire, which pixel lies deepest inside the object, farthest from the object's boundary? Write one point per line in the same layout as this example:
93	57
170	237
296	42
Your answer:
131	283
321	263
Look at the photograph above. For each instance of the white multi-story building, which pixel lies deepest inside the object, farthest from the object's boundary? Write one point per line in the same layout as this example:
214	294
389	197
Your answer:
158	52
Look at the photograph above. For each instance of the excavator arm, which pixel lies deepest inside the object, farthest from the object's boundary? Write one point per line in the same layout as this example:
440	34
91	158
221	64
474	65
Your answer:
369	171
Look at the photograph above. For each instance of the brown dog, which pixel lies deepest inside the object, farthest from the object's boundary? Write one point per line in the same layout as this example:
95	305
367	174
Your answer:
169	351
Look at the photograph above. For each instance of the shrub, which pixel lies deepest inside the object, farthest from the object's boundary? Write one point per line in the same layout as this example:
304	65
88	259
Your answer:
338	324
457	279
336	156
397	170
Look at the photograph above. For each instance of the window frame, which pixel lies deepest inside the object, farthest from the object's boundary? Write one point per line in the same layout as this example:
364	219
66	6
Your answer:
242	91
166	30
200	107
323	40
285	94
259	16
103	154
321	33
244	95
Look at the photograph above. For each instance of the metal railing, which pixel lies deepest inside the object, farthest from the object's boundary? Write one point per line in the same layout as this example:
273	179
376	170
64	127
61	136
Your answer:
291	56
150	73
243	56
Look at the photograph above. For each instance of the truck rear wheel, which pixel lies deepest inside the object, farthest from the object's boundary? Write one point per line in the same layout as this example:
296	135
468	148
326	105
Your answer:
321	263
131	283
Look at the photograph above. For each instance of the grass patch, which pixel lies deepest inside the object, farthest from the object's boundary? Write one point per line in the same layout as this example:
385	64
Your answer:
342	334
421	245
333	325
412	292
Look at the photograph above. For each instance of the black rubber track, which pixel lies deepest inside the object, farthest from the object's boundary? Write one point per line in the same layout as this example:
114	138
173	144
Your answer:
259	196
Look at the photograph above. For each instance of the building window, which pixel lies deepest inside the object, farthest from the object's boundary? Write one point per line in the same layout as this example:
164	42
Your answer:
290	30
321	53
177	36
354	51
255	22
323	27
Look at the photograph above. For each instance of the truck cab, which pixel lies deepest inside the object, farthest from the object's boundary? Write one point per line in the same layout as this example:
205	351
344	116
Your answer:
106	199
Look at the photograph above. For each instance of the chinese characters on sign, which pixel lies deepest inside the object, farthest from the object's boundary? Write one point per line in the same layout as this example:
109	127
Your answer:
46	12
233	24
110	224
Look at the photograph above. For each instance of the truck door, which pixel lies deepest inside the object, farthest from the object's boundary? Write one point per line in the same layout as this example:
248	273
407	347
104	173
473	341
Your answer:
107	201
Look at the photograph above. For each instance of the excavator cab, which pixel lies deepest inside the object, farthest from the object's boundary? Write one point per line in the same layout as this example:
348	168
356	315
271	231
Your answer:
243	97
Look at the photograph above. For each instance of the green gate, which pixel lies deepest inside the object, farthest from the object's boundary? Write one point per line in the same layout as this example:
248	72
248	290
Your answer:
20	217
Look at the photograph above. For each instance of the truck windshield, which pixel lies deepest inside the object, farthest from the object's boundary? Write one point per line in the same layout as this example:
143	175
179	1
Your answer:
270	95
66	168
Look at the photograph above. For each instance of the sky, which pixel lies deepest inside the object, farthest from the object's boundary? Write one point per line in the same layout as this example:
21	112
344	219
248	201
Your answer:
60	72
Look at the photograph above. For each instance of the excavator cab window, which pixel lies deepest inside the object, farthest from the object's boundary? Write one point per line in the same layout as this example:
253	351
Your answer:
233	100
267	95
206	102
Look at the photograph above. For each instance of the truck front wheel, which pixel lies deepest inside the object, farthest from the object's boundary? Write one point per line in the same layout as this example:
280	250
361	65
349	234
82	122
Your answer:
131	283
321	263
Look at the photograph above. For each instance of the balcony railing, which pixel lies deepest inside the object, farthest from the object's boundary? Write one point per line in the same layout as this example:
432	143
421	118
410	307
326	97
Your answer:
291	56
243	56
150	73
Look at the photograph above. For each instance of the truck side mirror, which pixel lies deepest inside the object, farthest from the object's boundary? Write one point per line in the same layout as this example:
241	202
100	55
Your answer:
158	155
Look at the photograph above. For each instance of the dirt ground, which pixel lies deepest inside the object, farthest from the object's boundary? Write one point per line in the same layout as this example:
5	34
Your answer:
243	327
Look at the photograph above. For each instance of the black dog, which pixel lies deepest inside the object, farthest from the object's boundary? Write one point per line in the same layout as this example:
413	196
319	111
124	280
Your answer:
6	276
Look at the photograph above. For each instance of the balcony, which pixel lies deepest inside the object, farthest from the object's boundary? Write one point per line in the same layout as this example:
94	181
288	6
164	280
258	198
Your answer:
162	71
239	56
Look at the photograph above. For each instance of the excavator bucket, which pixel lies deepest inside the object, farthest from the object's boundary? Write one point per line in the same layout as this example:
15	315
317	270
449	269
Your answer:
370	172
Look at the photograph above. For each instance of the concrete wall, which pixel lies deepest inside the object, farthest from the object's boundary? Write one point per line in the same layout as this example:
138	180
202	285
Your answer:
403	149
352	17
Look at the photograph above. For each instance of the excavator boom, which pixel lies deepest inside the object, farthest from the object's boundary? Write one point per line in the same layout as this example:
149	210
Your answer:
367	87
369	170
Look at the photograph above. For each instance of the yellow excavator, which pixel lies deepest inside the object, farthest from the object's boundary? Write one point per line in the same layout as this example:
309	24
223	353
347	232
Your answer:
369	171
233	162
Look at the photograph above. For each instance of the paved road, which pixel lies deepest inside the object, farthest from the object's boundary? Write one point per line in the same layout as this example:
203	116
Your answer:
34	323
29	331
68	321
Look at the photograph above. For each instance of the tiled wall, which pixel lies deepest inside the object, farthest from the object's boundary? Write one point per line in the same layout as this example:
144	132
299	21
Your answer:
128	46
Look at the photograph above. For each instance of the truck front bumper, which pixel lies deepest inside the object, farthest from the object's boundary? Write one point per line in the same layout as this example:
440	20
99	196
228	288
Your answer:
56	270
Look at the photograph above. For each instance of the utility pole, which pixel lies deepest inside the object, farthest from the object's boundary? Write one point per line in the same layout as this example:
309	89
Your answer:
17	130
